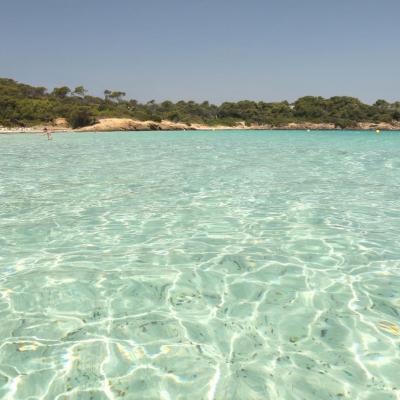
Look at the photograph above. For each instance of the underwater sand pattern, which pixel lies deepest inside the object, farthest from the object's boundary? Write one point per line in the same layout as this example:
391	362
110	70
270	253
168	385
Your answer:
201	265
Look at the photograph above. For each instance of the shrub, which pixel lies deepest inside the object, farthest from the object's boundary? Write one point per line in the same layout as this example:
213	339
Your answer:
80	117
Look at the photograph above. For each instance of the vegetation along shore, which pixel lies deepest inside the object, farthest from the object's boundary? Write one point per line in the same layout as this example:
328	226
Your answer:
26	108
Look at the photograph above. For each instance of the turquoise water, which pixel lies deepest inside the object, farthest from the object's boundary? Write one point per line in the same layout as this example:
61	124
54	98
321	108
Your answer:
201	265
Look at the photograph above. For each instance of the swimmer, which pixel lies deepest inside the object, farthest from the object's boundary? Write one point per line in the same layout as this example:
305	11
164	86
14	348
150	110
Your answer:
48	132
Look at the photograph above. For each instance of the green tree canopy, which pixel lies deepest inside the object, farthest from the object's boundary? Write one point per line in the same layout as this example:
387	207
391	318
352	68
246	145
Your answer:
61	92
24	105
80	91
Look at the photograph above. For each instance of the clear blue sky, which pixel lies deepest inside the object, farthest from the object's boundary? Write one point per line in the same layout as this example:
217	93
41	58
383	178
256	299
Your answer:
206	49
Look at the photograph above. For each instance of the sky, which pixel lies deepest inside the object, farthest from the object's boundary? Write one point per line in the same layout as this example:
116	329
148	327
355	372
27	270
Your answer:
216	50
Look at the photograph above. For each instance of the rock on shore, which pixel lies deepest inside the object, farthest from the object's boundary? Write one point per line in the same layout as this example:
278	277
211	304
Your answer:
129	124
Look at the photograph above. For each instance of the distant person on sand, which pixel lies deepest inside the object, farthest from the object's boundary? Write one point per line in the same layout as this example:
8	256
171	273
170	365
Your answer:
48	132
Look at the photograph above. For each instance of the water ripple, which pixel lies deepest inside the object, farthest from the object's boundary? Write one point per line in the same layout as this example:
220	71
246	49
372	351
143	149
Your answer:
246	265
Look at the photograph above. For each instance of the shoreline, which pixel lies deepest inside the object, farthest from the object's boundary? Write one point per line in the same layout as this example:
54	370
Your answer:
131	125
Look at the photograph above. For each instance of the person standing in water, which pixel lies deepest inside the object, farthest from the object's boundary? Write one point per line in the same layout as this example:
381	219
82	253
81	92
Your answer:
48	132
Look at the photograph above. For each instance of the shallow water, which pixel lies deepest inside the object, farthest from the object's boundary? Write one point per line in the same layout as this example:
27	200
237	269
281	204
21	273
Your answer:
245	265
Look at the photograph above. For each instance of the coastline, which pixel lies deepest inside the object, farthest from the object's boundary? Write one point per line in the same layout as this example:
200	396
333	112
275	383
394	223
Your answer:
127	124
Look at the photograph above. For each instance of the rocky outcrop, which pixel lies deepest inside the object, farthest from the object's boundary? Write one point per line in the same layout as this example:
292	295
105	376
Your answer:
128	124
303	126
363	126
60	123
383	126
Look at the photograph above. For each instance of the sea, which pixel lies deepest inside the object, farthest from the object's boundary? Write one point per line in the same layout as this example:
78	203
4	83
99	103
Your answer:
200	265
